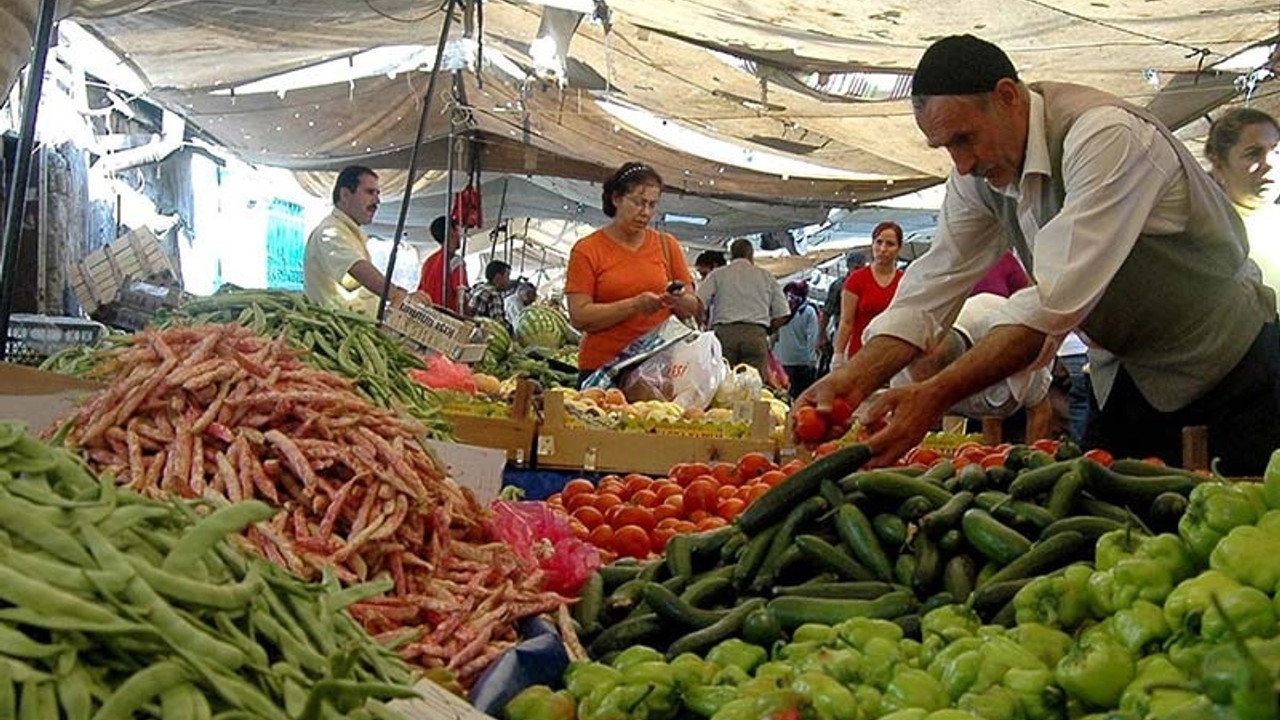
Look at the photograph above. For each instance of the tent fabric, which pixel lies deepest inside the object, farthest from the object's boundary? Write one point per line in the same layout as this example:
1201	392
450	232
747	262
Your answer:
658	57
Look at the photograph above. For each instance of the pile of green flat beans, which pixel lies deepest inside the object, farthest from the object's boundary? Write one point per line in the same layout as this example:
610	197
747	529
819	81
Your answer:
340	342
113	606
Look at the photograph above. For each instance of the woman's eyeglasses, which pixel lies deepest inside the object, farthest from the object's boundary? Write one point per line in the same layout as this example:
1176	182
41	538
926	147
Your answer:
641	203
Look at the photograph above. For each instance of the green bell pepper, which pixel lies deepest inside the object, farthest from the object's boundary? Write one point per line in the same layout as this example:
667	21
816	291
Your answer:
912	688
857	632
740	709
692	671
1097	670
1115	546
1213	510
948	654
951	714
781	671
1102	594
994	703
1140	626
663	702
907	714
844	664
959	674
778	703
738	653
1250	556
539	702
1271	482
1160	563
1270	521
624	702
814	632
880	656
584	678
796	651
1190	600
999	656
1144	700
1038	693
731	676
634	655
706	700
1249	611
1056	600
951	622
757	686
1186	652
830	699
1047	644
1223	666
867	700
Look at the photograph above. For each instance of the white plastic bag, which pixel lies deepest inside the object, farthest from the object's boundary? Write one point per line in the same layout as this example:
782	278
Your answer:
687	373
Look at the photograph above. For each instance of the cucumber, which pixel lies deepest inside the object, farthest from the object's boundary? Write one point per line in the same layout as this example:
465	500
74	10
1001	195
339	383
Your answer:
669	605
992	538
728	626
914	508
1126	489
904	569
699	593
936	601
706	546
902	487
1090	505
792	611
616	573
999	476
958	577
1165	512
625	597
752	556
862	590
1045	556
804	483
730	550
1031	483
1065	493
633	631
910	625
951	542
1089	526
679	554
590	604
987	599
941	470
1142	468
860	539
783	540
973	478
1013	512
826	556
948	516
831	493
890	528
1067	450
928	564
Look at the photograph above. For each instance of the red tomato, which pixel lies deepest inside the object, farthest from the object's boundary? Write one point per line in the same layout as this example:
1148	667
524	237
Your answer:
791	467
675	501
730	508
579	530
726	491
658	539
646	498
666	512
1046	445
635	483
601	536
710	522
810	427
754	492
604	501
686	473
968	446
670	522
1153	460
613	485
588	516
926	457
840	412
576	486
555	499
825	448
639	516
1100	456
580	500
700	495
992	460
666	490
685	527
753	465
726	474
773	478
631	541
698	516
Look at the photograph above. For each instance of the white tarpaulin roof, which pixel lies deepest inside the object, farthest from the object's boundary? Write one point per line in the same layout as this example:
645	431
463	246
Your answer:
752	73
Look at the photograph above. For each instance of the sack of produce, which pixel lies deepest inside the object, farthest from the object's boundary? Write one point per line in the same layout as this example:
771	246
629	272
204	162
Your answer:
688	373
542	538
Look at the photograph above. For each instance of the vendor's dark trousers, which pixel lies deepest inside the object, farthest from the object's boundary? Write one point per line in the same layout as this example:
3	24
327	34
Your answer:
745	343
1242	413
801	377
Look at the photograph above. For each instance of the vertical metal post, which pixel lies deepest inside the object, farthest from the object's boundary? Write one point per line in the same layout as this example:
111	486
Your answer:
16	204
413	155
448	219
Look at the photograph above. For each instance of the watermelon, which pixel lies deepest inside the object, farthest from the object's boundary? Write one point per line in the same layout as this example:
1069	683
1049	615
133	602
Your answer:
542	327
498	345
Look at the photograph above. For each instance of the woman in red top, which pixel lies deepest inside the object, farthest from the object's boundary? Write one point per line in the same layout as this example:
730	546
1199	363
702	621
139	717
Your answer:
868	290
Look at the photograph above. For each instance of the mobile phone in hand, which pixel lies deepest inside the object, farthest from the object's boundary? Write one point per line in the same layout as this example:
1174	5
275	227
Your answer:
675	286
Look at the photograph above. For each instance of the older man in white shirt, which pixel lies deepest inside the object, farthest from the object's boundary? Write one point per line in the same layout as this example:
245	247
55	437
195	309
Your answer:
1129	241
743	304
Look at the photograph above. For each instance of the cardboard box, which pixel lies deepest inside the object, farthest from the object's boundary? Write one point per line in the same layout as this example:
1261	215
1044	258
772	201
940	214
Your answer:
40	398
600	450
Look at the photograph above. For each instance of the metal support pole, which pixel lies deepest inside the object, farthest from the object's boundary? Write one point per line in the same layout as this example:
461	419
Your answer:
448	219
413	156
15	207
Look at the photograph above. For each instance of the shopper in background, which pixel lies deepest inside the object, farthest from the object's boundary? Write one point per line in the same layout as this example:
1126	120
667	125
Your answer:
743	304
1004	278
1073	357
1129	240
867	291
1240	147
336	270
433	282
486	298
831	311
626	278
796	344
525	294
707	261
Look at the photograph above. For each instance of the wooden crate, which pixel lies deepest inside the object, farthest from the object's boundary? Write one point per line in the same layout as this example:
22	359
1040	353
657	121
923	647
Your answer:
516	434
563	446
99	278
429	328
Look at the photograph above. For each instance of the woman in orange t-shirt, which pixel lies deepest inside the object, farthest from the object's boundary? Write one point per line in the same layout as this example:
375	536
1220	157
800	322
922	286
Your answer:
618	284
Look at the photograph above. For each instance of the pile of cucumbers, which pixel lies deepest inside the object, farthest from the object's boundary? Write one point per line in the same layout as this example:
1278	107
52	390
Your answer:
834	542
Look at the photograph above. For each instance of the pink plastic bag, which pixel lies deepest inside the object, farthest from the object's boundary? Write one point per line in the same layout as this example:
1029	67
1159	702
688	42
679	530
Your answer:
445	374
542	539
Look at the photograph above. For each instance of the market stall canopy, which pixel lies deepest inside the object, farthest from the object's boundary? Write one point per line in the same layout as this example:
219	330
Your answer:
817	83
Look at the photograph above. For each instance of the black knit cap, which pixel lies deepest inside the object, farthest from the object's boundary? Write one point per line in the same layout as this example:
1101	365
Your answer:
961	65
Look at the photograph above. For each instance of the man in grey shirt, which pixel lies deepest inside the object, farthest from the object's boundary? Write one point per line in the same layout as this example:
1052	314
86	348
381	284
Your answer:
743	303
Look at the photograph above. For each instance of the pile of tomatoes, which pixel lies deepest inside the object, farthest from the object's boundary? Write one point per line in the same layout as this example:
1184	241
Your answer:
634	515
973	453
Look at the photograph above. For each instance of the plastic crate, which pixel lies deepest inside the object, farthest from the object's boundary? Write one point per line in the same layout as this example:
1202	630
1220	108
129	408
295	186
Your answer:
32	338
101	277
429	328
